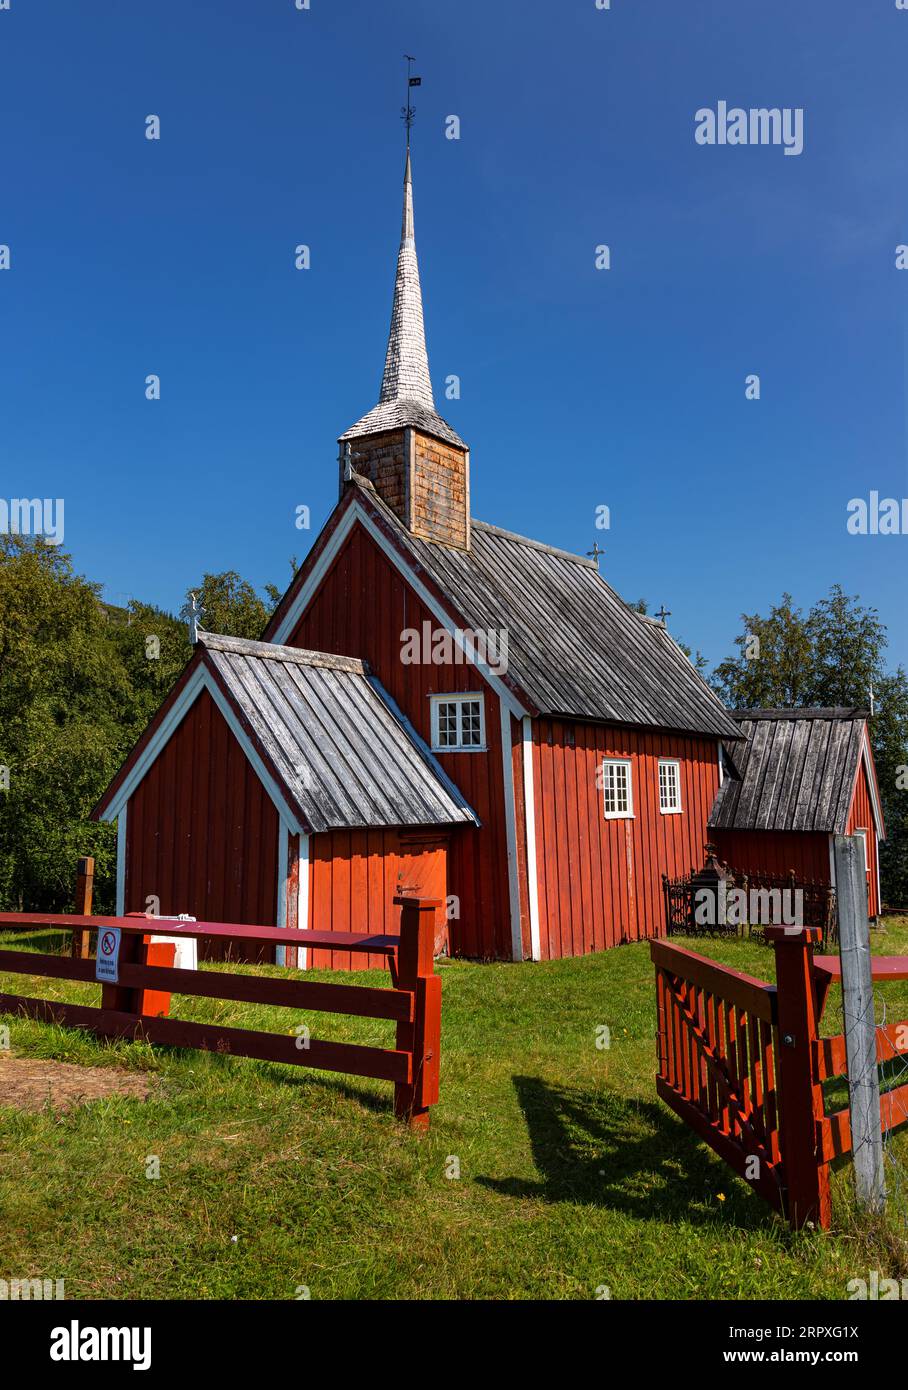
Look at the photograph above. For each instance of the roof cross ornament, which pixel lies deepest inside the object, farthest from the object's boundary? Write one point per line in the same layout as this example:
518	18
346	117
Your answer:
663	614
595	552
192	612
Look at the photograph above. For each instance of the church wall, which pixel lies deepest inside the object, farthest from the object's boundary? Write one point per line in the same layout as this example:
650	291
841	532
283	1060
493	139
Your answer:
361	608
600	881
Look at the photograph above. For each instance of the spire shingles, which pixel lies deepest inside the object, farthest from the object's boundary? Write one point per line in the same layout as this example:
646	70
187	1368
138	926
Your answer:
406	390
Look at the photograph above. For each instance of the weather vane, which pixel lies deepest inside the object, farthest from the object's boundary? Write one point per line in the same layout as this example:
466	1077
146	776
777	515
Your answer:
408	111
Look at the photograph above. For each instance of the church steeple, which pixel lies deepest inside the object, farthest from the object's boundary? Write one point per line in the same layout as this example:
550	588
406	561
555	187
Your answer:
417	463
406	375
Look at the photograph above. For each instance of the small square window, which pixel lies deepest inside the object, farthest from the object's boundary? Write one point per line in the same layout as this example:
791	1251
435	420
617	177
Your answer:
669	786
457	723
617	789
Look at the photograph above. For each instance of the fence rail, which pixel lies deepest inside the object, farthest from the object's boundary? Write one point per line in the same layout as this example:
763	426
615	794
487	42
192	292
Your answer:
137	1005
742	1062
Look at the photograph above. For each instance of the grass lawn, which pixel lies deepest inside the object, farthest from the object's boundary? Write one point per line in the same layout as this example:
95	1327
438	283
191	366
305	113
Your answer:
573	1176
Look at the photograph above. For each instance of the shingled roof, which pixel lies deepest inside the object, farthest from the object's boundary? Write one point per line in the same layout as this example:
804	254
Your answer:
575	648
335	738
796	771
406	389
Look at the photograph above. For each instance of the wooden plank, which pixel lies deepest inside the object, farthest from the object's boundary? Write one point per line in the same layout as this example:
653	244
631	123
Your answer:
860	1031
768	1184
834	1131
281	936
360	1001
733	986
882	967
384	1064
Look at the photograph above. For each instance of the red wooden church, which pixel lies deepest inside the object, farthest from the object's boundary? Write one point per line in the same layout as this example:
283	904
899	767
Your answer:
437	704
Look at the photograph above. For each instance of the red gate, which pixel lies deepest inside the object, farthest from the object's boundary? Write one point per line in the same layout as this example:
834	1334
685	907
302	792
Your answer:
743	1063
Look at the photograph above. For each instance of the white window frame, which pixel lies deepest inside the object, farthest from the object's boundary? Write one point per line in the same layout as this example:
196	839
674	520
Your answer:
676	764
624	814
458	698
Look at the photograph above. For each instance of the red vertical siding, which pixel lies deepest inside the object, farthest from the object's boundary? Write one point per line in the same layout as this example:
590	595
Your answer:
600	880
201	831
361	609
775	852
353	878
860	817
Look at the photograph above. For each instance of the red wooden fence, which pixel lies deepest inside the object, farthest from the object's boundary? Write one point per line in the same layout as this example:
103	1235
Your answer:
137	1005
743	1063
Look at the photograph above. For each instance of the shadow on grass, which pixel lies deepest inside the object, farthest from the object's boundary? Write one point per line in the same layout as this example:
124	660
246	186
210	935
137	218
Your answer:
602	1149
299	1079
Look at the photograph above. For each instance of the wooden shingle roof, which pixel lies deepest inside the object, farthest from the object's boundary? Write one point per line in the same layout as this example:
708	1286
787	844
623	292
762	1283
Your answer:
334	738
795	771
575	648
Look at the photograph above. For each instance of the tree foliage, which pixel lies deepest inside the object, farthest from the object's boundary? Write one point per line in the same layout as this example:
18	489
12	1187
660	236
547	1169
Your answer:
830	657
79	681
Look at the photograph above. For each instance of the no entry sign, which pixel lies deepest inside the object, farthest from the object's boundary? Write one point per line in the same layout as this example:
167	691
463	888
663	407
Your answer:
107	960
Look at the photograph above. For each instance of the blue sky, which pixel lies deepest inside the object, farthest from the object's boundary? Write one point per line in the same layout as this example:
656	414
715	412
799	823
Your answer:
579	387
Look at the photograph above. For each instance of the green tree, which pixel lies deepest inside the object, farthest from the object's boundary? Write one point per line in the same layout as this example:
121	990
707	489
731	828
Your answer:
231	606
831	657
62	688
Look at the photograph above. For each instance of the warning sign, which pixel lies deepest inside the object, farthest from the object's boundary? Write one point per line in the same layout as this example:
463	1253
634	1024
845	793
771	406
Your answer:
107	962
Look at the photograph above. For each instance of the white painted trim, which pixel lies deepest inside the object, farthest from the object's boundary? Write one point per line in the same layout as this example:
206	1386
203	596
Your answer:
721	762
332	547
121	861
283	835
629	813
201	680
871	783
302	900
832	880
670	810
529	801
510	820
879	890
458	697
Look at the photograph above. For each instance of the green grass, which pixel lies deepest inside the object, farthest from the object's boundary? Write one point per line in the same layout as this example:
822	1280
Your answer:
572	1174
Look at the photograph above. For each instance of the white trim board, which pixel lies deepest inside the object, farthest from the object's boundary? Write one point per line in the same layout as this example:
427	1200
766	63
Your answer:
357	512
201	680
871	784
121	863
529	802
510	820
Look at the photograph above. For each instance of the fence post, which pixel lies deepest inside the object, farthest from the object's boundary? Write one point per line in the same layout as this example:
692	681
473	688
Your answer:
422	1038
860	1025
80	943
800	1092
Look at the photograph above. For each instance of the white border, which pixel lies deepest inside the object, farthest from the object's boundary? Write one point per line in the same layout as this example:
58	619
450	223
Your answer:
670	810
458	697
357	512
201	680
629	813
510	820
121	863
529	801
